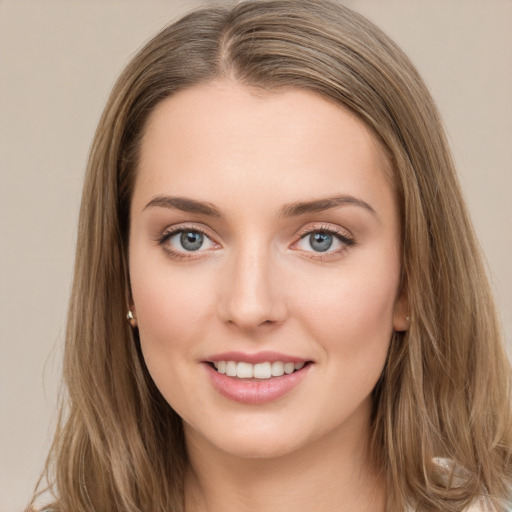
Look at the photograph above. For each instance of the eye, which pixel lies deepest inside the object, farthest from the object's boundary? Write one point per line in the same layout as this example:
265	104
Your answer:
320	242
184	241
189	240
328	241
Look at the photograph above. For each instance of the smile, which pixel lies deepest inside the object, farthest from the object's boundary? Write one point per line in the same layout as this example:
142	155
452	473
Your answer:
265	370
256	378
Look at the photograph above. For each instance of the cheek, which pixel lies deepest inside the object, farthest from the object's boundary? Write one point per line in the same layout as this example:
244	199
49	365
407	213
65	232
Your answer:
353	326
170	308
352	313
171	313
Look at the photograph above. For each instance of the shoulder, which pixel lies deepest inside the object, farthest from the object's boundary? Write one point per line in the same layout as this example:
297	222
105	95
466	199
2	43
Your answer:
481	505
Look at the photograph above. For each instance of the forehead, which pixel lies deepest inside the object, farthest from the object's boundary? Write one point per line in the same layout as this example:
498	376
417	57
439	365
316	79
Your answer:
222	136
214	107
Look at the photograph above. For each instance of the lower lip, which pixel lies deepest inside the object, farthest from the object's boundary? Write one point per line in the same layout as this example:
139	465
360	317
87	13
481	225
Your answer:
255	391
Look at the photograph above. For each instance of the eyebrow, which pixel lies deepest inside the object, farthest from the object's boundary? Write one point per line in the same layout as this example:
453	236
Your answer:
320	205
290	210
184	204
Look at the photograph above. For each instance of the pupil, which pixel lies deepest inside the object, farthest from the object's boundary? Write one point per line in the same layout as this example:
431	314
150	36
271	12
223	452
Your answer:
320	242
191	240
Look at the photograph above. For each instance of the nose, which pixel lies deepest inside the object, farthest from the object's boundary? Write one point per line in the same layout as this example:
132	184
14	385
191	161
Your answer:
251	291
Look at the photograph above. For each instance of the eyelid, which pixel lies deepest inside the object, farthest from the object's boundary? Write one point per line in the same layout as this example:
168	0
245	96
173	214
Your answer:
327	228
171	231
342	235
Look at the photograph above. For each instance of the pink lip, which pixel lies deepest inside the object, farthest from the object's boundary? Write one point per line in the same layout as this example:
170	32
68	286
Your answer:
259	357
255	391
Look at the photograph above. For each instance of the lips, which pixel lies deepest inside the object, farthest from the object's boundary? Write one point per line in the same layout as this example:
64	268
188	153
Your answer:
258	357
255	378
266	370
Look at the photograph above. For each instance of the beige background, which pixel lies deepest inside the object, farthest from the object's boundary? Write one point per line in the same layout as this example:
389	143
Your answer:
58	61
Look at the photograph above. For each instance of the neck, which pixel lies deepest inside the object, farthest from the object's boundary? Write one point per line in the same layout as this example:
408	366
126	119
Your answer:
334	473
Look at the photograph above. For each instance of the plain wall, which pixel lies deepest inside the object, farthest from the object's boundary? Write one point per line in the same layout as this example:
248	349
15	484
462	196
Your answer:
58	61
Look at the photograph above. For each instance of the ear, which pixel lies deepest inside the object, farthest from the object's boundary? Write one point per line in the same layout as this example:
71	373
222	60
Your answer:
131	316
401	319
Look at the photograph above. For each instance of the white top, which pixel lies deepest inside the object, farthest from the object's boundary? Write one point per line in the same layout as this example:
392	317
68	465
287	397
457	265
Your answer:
480	504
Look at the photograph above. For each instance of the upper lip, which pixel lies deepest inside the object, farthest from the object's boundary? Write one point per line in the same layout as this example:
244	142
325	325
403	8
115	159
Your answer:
258	357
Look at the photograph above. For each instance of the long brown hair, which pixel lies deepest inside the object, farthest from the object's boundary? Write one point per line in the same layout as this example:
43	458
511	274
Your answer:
445	390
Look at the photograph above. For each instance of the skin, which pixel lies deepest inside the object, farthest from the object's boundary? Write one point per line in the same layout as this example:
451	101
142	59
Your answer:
258	284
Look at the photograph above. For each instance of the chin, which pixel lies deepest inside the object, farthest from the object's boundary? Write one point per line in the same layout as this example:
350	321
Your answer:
261	449
248	443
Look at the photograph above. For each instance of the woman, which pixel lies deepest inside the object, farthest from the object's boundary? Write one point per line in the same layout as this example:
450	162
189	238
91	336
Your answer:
271	201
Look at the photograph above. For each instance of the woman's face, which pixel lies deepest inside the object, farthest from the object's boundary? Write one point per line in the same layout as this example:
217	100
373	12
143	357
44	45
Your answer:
264	240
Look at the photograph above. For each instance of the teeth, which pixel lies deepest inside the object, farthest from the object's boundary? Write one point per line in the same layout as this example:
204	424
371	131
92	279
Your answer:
262	371
244	370
288	368
231	368
277	369
266	370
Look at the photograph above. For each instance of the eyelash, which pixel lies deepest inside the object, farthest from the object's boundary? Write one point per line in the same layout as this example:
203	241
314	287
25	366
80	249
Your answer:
342	237
169	233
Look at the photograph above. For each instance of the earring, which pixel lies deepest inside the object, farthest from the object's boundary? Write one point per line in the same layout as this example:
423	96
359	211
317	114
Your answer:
131	319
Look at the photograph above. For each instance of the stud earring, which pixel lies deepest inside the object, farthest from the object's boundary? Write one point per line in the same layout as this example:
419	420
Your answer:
131	319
